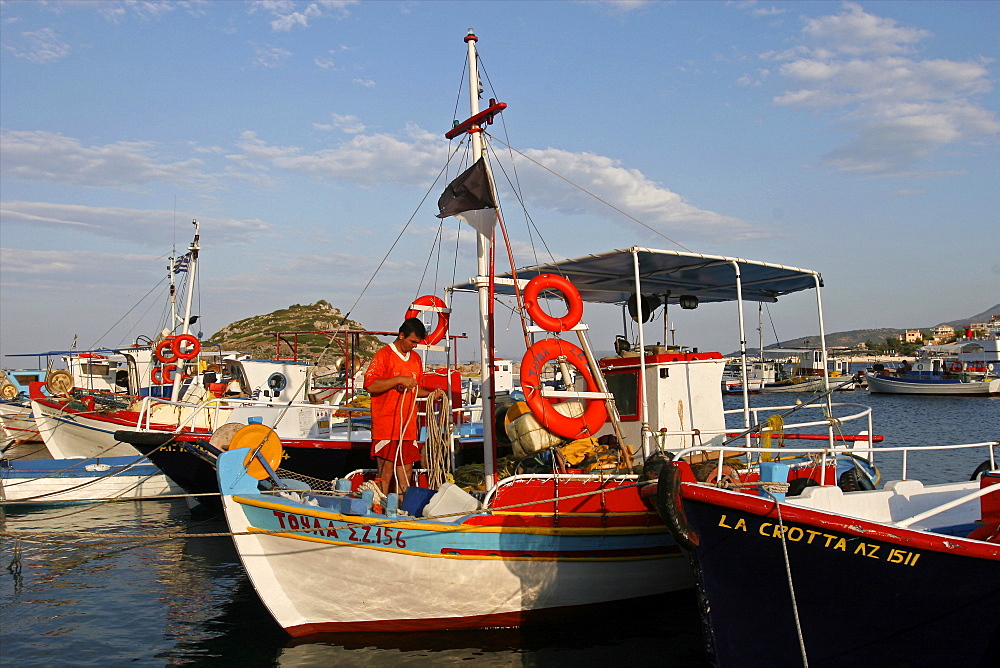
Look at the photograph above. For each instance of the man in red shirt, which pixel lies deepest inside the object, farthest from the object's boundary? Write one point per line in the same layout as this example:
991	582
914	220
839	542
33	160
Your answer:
393	381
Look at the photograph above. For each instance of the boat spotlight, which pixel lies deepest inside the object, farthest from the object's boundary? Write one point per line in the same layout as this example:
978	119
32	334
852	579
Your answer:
689	301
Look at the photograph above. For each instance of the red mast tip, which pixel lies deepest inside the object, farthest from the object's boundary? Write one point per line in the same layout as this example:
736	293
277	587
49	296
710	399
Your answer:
471	37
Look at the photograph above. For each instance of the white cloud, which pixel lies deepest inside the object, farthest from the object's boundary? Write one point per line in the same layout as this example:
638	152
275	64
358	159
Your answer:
629	190
855	32
148	227
269	56
288	14
366	160
57	266
410	159
348	124
860	68
48	156
38	46
366	83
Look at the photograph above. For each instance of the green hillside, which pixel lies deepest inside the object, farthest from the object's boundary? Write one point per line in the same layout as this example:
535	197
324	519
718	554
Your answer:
255	335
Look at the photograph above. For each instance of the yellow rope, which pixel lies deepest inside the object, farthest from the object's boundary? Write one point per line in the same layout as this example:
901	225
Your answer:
775	427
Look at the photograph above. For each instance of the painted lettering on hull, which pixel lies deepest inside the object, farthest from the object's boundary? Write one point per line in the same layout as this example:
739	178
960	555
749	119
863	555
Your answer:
821	539
362	534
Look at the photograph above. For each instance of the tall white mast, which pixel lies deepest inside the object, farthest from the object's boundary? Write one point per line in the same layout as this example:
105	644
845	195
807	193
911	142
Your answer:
484	243
186	327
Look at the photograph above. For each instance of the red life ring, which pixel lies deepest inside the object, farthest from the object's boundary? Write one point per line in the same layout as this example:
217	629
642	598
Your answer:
442	324
161	350
189	340
570	294
92	356
594	415
163	375
956	367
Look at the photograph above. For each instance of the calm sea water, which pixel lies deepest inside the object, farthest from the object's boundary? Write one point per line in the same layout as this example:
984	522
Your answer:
184	599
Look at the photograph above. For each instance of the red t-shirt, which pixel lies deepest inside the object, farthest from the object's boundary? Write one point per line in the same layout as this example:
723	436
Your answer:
386	414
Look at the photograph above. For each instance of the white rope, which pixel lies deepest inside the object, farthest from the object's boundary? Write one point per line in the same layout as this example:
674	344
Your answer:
791	586
434	456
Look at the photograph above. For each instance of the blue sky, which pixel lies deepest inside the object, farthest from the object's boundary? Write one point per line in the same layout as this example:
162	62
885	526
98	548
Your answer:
857	139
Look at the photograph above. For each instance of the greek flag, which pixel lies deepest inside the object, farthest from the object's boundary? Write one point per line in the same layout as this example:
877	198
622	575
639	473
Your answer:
181	263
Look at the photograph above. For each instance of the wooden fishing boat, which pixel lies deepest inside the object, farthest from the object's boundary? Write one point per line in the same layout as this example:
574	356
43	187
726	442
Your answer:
552	535
38	482
947	376
927	558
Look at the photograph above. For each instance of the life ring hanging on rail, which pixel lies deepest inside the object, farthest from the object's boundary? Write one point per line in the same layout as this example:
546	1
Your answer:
435	303
595	413
165	375
165	351
186	340
570	294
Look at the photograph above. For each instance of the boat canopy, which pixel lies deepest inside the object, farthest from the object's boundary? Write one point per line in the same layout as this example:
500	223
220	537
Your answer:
953	348
609	278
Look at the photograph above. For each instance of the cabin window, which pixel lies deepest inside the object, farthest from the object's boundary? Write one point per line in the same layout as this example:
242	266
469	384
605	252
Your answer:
624	385
96	369
277	381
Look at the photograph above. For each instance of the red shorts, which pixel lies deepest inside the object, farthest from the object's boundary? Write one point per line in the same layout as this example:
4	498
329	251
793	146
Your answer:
409	452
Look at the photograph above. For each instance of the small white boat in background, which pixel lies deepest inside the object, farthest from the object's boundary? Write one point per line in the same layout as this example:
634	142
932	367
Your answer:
946	376
36	482
17	425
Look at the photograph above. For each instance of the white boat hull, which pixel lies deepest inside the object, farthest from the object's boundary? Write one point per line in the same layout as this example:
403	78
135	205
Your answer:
889	385
71	435
321	575
811	385
17	424
41	482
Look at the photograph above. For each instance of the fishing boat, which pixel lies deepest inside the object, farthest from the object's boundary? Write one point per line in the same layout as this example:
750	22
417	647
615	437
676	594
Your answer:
557	529
17	425
927	558
39	482
936	375
172	384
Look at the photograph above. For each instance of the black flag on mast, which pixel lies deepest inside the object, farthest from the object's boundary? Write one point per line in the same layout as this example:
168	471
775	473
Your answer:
468	192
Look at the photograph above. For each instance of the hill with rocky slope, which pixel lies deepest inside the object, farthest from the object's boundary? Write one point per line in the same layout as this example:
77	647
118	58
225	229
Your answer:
858	337
254	335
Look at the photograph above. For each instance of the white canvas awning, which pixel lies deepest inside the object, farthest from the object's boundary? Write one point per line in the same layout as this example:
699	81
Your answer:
610	277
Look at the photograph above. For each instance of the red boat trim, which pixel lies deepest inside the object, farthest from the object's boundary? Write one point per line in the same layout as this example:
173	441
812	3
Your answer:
876	438
497	620
586	555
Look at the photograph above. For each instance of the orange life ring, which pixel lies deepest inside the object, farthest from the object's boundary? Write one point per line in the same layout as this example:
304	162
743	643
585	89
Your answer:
186	339
570	294
442	323
161	349
955	367
594	415
164	375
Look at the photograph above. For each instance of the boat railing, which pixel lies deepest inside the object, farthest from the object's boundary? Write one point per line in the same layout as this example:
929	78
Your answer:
831	422
603	478
954	503
215	406
723	452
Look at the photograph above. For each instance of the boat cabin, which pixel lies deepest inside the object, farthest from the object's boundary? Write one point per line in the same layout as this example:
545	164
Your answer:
683	391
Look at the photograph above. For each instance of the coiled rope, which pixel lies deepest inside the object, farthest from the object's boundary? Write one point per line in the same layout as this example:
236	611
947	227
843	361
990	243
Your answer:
437	446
